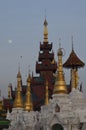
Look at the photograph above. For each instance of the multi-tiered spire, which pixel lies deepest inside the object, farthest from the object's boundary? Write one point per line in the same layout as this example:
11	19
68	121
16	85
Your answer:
18	103
46	56
28	106
60	85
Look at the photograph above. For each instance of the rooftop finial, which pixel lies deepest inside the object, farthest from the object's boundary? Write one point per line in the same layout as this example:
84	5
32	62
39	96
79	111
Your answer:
72	43
45	14
59	42
18	66
19	74
45	31
28	69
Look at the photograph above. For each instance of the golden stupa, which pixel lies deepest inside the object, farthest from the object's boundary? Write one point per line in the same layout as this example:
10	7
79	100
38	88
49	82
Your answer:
28	106
60	85
18	102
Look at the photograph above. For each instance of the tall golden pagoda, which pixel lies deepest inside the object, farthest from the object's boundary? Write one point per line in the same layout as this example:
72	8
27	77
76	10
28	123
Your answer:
60	85
46	94
28	106
18	102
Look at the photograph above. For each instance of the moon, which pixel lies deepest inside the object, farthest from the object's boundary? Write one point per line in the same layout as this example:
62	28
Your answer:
10	41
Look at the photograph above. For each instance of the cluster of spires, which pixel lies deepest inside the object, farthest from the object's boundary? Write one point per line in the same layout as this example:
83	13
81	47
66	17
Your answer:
60	87
18	102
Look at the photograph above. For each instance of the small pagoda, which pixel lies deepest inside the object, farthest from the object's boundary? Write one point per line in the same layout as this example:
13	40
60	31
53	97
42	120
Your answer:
74	63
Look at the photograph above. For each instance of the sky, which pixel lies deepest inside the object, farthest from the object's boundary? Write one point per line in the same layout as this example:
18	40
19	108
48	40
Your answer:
21	30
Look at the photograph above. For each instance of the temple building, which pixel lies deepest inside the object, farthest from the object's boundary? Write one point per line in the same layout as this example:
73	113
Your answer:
47	102
46	67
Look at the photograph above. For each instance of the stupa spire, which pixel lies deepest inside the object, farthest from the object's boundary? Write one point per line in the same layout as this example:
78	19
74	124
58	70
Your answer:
46	94
18	103
45	31
60	85
28	103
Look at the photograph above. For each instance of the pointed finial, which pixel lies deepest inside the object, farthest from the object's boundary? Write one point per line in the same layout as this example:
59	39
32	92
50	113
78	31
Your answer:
72	43
19	74
29	69
45	14
59	42
18	66
29	76
45	31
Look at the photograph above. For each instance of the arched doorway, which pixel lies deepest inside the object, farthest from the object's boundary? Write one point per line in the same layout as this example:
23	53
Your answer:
57	127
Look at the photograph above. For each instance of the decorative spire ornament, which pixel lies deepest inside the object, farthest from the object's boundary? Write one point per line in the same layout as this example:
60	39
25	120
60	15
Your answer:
45	31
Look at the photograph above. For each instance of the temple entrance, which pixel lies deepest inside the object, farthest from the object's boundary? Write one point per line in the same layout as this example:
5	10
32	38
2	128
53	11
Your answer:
57	127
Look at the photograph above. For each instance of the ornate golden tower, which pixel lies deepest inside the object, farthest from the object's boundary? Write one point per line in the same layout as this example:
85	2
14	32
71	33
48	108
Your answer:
45	31
18	102
28	106
60	85
46	94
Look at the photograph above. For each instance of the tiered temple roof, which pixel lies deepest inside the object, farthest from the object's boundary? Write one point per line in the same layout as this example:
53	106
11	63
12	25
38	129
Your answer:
73	61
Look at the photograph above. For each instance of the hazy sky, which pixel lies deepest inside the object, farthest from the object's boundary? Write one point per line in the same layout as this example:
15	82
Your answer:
21	30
